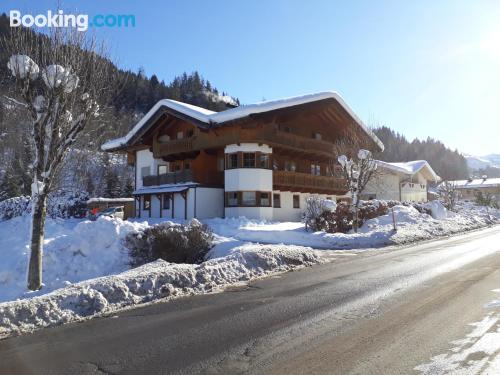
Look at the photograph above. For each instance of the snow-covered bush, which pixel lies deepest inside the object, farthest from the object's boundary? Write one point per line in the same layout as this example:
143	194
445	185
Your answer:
171	242
62	204
318	212
486	199
14	207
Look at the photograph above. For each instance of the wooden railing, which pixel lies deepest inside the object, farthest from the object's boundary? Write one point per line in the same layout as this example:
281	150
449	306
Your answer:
308	181
173	147
168	178
270	136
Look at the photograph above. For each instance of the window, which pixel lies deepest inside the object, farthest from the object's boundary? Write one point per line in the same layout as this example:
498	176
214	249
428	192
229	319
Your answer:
232	199
180	135
248	198
276	200
146	202
317	136
315	169
296	201
162	169
290	166
265	200
248	160
166	202
145	171
177	167
232	161
264	161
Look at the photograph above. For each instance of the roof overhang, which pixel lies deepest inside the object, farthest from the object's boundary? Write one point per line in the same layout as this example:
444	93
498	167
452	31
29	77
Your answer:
207	119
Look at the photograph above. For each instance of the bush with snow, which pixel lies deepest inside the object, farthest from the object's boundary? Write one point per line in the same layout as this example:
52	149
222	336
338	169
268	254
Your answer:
317	213
60	204
171	242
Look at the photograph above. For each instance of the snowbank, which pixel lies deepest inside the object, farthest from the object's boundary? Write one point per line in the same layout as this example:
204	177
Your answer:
74	250
153	281
411	226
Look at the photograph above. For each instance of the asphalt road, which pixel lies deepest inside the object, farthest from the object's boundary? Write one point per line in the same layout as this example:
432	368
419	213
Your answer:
377	312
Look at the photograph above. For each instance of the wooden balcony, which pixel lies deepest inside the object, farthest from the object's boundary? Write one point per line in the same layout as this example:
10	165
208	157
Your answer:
270	136
168	178
303	182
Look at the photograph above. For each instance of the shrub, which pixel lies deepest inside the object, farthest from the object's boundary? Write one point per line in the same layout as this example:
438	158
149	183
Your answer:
318	213
487	199
63	204
342	218
170	242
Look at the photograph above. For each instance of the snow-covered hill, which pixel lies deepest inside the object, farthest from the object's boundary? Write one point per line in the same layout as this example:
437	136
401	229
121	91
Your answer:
481	162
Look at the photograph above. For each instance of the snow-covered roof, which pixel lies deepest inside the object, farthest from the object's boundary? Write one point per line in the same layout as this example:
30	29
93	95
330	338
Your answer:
109	200
214	119
167	188
476	183
410	168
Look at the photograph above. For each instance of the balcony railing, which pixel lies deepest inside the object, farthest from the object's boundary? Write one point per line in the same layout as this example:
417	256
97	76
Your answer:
168	178
270	136
304	181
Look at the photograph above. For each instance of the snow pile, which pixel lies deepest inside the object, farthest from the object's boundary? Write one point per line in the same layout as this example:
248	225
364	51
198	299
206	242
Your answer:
153	281
74	250
412	226
438	211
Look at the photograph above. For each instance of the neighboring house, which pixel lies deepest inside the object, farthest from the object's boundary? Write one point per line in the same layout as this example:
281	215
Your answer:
468	188
405	182
259	161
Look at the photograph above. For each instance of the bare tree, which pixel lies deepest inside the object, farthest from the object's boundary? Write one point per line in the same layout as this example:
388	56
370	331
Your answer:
60	78
357	174
449	194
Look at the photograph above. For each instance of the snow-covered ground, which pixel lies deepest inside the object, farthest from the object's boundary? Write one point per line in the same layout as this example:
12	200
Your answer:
87	272
477	353
411	226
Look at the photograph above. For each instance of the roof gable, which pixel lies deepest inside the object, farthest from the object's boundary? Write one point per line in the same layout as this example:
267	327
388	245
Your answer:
208	119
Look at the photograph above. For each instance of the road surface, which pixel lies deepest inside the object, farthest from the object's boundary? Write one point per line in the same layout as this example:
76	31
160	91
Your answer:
377	312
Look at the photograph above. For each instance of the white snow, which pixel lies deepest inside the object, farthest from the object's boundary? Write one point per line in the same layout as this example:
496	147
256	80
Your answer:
57	75
476	183
412	226
153	281
79	250
23	66
218	118
409	168
74	250
477	353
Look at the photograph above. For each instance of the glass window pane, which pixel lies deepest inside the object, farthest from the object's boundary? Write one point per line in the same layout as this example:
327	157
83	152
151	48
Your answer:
264	200
248	198
249	160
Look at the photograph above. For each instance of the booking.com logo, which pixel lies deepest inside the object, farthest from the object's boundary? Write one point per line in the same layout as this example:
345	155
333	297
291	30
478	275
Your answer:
80	21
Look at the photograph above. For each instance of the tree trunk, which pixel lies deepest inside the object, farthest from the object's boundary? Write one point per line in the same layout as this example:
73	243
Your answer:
37	235
355	219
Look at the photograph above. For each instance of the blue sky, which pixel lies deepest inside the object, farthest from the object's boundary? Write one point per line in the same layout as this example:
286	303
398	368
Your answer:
424	68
